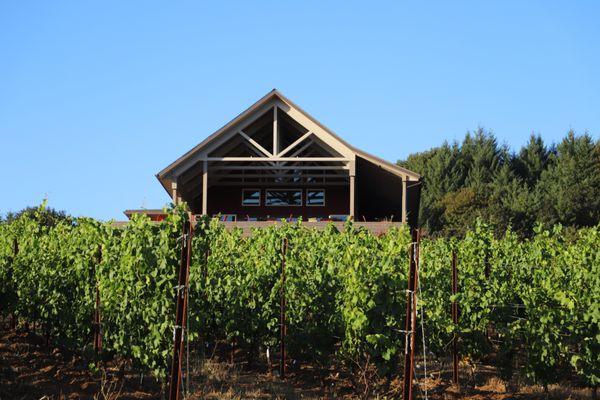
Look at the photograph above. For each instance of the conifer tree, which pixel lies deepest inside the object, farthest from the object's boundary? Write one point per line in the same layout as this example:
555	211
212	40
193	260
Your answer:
570	188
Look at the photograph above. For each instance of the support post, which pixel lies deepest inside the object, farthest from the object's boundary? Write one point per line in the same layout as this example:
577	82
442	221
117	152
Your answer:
205	188
13	319
282	327
181	298
352	173
174	192
352	191
454	320
96	325
410	326
203	292
275	132
404	200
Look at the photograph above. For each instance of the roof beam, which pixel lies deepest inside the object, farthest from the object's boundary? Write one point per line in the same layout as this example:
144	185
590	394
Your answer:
255	144
278	167
277	176
197	174
296	143
276	185
304	147
321	133
277	158
301	149
226	134
191	178
275	132
241	143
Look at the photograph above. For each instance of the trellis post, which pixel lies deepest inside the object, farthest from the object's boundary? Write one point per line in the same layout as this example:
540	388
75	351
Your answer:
13	319
96	323
411	316
181	298
454	319
282	327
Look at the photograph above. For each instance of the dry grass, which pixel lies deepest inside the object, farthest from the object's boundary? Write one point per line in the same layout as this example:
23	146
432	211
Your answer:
31	370
217	380
555	392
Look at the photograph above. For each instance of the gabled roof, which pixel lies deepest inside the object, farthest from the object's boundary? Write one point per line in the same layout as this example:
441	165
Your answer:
163	175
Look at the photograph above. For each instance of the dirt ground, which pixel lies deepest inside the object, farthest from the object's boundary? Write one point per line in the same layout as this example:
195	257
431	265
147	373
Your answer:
29	369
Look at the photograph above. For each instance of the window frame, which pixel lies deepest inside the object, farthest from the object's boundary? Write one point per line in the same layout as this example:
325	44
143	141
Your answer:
284	190
252	190
317	190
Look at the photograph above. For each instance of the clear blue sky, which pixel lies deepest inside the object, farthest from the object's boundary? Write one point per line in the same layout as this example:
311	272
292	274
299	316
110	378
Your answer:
97	97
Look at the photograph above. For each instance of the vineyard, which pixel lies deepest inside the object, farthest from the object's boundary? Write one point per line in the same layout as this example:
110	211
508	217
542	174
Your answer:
533	303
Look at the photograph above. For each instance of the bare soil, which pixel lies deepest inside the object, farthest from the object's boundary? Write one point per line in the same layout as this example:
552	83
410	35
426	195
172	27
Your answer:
30	369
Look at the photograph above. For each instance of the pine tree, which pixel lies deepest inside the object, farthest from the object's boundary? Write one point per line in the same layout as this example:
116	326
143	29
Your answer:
482	157
532	160
442	173
570	188
479	178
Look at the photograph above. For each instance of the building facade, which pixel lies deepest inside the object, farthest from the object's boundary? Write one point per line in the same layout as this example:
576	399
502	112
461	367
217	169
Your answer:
276	161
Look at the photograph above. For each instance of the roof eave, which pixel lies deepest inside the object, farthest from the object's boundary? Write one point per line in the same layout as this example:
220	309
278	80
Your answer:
163	183
398	170
162	175
231	123
359	152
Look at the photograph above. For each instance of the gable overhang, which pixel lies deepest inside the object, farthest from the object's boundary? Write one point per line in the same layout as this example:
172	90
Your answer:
274	99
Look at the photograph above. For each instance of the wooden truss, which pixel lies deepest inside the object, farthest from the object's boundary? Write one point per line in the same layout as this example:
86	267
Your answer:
273	142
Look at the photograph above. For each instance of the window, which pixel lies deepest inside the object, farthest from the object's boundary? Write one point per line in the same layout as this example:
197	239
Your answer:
315	197
250	197
276	197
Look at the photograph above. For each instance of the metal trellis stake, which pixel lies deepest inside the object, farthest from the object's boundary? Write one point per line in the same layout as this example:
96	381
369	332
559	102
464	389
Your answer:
282	327
454	320
181	297
96	324
13	319
411	316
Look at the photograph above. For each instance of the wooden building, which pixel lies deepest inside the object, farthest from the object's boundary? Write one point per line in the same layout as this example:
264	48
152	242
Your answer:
275	161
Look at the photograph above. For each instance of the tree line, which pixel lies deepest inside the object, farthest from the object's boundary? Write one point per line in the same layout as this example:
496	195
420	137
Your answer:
480	178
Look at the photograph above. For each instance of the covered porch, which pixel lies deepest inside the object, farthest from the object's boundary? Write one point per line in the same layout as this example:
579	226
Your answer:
274	161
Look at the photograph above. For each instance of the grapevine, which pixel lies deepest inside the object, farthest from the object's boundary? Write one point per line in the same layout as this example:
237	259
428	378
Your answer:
535	303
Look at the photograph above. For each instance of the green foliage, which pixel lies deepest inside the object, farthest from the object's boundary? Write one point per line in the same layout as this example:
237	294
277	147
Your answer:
479	178
533	302
136	279
569	190
342	289
443	173
53	277
532	160
44	215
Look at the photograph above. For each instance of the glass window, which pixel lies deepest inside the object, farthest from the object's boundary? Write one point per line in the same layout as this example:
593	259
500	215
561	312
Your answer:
276	197
250	197
315	197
